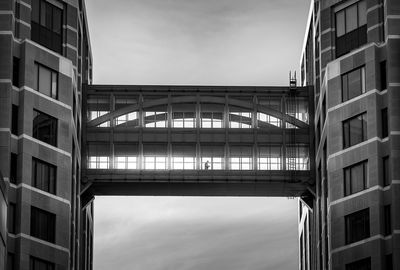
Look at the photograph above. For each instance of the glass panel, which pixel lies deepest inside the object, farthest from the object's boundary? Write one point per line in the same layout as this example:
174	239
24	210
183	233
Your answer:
351	18
362	13
57	20
35	11
340	24
356	131
357	178
54	78
45	81
48	15
354	83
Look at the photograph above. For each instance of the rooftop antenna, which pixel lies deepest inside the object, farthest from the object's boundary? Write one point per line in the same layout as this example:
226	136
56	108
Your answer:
292	80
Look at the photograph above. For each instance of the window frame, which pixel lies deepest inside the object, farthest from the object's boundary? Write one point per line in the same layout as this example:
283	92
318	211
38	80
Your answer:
53	139
46	33
346	85
352	222
47	265
43	226
386	170
350	39
364	130
53	78
348	183
51	172
384	123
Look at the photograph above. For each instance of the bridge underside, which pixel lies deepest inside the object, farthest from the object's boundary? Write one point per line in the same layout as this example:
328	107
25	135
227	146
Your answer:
198	183
197	141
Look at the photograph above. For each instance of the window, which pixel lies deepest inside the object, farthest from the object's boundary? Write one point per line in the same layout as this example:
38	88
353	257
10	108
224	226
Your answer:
385	123
270	158
98	162
355	130
43	224
353	83
212	157
184	120
155	119
386	171
15	79
389	262
212	163
364	264
14	120
10	261
297	157
211	119
46	25
38	264
241	163
240	119
155	163
264	119
357	226
355	178
351	27
382	67
43	176
387	220
13	168
44	128
11	218
46	81
129	119
183	163
96	114
125	162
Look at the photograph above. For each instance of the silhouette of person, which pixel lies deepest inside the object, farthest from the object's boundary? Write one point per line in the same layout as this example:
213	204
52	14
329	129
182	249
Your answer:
207	165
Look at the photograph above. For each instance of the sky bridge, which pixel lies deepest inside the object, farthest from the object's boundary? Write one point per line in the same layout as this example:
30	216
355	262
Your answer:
197	140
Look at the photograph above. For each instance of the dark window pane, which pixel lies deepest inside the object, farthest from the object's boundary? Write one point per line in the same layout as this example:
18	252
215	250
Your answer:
10	261
43	176
46	25
364	264
14	120
39	264
387	220
389	262
386	171
35	5
11	218
354	130
44	128
43	224
16	72
353	83
355	178
385	123
357	226
13	168
383	75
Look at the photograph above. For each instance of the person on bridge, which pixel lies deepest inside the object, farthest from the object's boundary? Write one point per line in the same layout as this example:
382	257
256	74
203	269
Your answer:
207	165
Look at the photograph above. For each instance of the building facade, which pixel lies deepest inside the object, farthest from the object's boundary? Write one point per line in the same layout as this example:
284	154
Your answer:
348	212
44	60
351	55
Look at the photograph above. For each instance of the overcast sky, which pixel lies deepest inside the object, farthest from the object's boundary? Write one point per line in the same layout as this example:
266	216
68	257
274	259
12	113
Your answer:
198	42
